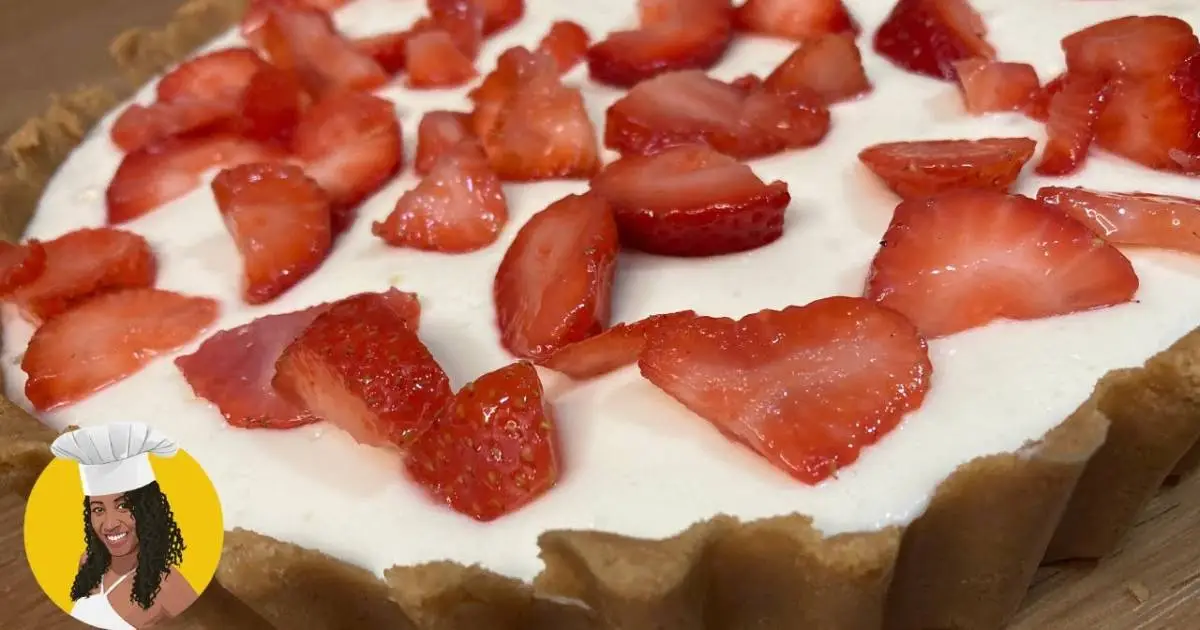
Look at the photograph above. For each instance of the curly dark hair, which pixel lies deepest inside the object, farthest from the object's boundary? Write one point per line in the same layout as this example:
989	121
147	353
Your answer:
160	546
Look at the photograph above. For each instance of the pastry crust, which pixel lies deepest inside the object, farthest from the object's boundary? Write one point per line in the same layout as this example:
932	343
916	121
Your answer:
964	564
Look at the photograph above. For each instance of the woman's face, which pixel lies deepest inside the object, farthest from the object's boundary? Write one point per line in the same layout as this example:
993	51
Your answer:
113	522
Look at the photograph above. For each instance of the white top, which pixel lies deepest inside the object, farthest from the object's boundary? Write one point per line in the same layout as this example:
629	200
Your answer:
115	457
96	611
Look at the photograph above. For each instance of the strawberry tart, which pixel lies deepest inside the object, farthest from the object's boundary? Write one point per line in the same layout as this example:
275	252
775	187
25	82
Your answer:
658	314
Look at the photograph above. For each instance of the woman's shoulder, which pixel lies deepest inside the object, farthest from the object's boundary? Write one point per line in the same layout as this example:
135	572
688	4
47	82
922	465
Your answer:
176	593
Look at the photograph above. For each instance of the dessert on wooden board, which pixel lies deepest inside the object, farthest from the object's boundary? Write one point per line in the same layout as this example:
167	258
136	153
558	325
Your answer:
847	287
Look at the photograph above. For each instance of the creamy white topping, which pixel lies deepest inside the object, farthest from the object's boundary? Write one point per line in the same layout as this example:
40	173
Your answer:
635	461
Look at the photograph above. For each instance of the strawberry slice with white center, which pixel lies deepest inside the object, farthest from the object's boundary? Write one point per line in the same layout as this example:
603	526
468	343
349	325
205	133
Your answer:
107	339
216	76
350	144
80	265
1162	221
567	42
962	259
462	20
434	60
1154	121
1133	46
674	35
1071	122
458	207
361	366
494	450
928	36
259	10
141	125
610	350
996	86
438	134
271	106
554	284
20	265
807	387
305	41
499	86
280	220
925	167
829	65
795	19
163	172
692	201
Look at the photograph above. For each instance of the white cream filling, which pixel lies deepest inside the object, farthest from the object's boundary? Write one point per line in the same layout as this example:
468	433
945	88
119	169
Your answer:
635	461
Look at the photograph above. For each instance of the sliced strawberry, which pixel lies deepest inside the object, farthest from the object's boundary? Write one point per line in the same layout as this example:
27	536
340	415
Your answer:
304	40
829	65
142	125
692	201
690	107
684	34
81	264
1071	124
928	36
271	106
793	385
501	14
494	450
219	75
439	132
996	86
259	10
499	86
20	265
1150	121
1039	104
350	144
107	339
926	167
389	50
360	366
462	20
280	221
555	281
435	61
795	19
965	258
567	42
1134	46
1161	221
610	350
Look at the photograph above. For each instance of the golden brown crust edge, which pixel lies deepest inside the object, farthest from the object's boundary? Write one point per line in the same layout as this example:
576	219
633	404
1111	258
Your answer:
964	564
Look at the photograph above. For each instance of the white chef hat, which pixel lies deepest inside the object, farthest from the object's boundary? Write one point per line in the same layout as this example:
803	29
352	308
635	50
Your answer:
113	458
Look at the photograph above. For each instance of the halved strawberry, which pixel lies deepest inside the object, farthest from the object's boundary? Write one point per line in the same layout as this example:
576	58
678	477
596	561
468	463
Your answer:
996	86
501	14
350	144
271	106
567	42
1039	104
218	75
435	61
793	385
1071	123
683	34
690	107
81	264
494	449
795	19
458	207
612	349
1134	46
964	258
499	86
142	125
829	65
305	41
389	50
555	281
1162	221
439	132
926	167
107	339
280	221
163	172
462	20
20	265
692	201
360	366
928	36
1150	121
258	11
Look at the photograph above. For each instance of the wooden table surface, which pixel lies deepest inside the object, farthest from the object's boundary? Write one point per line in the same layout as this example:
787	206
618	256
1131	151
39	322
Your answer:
1151	583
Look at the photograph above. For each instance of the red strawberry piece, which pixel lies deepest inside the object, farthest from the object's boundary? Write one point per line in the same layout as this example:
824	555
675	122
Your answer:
163	172
259	10
1161	221
795	19
20	265
1071	124
928	36
439	133
462	20
305	41
567	42
689	107
106	339
685	34
142	125
792	384
361	366
965	258
553	286
501	14
389	50
829	65
1150	121
280	221
692	201
1039	104
435	61
996	86
494	450
1135	46
271	106
610	350
350	144
81	264
491	95
458	207
219	75
927	167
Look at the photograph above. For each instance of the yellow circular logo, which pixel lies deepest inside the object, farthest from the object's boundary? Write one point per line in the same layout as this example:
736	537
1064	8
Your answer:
123	529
